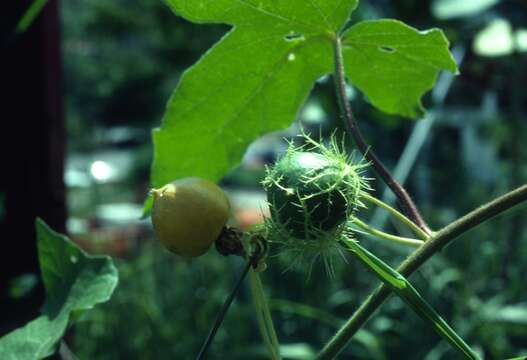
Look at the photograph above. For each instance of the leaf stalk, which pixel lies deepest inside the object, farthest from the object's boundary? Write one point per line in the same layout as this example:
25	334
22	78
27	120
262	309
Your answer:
351	125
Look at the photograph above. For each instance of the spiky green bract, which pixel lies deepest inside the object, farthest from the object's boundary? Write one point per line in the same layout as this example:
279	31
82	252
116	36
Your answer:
312	190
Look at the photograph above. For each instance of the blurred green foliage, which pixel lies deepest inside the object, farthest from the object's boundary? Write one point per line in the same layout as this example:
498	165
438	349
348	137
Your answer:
122	60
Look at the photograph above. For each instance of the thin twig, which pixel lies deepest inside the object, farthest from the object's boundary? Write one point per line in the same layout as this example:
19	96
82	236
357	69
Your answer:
223	312
349	119
439	240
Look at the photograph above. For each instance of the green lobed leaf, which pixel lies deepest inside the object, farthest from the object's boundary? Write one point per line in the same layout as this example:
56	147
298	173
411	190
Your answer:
74	281
255	79
395	64
251	82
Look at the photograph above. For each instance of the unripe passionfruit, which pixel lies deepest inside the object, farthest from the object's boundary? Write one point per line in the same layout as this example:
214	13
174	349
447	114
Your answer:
189	214
311	193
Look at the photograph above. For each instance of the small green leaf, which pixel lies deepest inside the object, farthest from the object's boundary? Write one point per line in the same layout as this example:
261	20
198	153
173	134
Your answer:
251	82
30	15
147	206
74	281
394	64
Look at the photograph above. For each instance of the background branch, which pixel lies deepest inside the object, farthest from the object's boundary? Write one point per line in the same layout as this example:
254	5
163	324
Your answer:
416	259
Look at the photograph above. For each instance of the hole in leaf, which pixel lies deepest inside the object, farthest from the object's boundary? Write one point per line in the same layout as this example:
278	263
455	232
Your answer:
387	49
294	36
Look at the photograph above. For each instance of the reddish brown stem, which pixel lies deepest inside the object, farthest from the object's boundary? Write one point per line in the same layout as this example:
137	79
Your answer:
403	197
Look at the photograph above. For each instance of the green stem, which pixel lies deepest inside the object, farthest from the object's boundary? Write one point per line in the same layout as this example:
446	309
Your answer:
267	316
438	240
398	215
386	236
411	297
263	316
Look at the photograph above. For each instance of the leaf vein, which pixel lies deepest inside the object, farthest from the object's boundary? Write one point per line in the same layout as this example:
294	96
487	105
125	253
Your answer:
277	16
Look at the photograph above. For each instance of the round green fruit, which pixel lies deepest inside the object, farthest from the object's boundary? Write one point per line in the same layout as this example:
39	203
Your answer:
310	192
189	214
